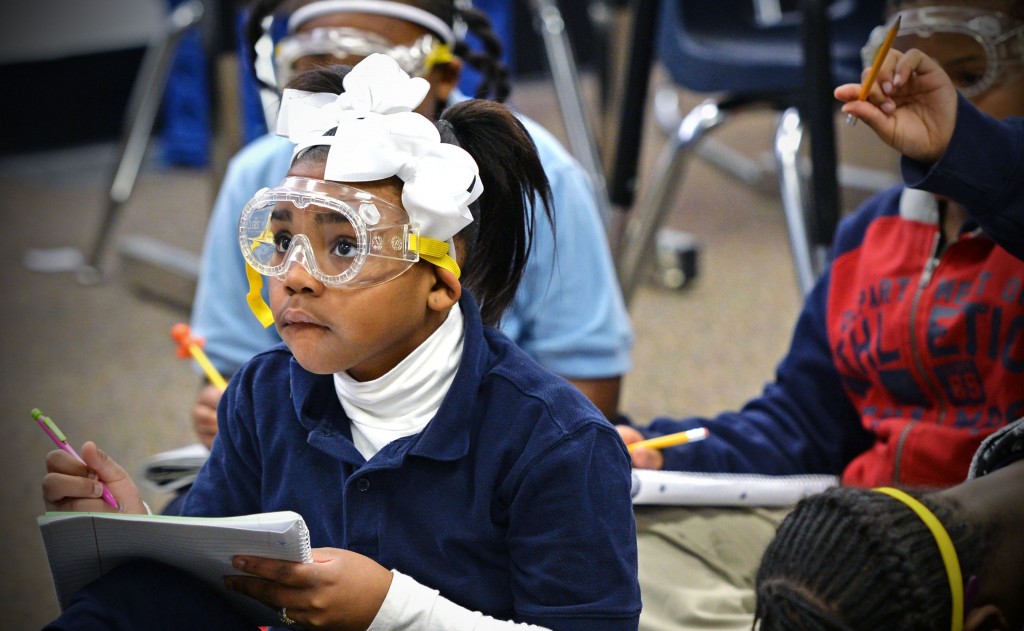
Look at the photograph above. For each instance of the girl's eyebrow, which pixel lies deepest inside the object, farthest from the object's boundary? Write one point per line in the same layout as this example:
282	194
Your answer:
963	59
331	217
285	214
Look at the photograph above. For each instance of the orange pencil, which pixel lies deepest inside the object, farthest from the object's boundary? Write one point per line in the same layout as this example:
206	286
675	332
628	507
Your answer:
876	65
190	345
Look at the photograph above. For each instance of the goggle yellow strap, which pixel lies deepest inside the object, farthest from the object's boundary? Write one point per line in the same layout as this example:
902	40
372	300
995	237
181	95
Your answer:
255	297
440	54
435	252
946	550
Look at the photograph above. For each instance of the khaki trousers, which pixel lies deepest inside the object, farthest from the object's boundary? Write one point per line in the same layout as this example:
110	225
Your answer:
697	565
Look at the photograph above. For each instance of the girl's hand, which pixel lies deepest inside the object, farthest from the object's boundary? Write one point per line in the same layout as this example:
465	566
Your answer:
204	414
338	590
642	458
70	485
911	106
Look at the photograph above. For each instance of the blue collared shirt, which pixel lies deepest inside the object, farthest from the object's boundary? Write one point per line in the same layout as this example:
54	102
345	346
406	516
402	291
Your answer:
514	500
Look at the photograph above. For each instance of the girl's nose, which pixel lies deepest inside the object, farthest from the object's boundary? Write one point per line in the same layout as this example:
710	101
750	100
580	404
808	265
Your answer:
298	279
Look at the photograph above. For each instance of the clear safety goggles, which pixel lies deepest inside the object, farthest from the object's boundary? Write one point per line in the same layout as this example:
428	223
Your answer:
346	45
342	236
977	48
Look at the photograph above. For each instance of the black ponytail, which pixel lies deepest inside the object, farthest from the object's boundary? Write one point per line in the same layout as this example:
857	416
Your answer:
850	559
498	241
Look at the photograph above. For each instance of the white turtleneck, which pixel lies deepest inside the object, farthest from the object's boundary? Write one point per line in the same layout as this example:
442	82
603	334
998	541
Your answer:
402	402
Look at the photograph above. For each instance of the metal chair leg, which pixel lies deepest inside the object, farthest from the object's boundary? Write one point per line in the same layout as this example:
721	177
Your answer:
638	241
143	106
564	74
788	136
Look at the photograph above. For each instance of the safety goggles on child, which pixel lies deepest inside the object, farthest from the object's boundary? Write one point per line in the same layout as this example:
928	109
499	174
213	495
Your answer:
342	236
978	49
349	45
345	45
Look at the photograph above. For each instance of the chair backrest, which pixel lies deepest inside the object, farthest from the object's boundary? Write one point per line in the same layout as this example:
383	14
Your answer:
727	46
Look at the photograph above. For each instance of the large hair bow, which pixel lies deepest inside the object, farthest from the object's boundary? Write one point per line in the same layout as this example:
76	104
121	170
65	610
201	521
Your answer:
378	136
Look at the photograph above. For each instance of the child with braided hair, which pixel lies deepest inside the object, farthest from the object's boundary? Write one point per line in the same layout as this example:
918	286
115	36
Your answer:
853	559
570	266
447	480
908	352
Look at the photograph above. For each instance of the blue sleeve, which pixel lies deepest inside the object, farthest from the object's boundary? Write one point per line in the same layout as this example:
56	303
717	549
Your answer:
229	482
220	313
803	422
568	313
983	169
572	538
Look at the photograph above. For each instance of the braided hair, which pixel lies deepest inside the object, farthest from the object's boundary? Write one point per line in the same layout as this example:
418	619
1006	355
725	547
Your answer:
494	83
850	559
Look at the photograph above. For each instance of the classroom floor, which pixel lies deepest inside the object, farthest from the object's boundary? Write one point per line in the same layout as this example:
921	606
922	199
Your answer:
99	359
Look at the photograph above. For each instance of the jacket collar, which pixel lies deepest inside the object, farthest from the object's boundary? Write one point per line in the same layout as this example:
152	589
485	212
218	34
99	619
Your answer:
446	437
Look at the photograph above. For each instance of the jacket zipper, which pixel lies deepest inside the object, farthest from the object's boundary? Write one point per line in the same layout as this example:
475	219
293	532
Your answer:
934	390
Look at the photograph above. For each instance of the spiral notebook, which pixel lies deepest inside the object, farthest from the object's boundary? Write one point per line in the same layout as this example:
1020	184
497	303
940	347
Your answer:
685	488
81	547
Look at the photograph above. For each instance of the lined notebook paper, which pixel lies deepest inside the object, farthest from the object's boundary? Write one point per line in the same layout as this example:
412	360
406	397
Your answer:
684	488
81	547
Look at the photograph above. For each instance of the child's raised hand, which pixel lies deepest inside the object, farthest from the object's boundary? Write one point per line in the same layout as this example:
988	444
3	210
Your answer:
338	590
912	106
204	414
70	485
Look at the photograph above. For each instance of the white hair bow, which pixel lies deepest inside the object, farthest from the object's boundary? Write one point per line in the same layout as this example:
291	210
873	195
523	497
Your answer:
378	135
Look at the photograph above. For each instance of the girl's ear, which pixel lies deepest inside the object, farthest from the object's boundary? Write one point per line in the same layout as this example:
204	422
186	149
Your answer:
446	290
445	77
985	618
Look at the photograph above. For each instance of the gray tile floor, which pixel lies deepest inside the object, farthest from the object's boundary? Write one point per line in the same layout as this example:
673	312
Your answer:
100	360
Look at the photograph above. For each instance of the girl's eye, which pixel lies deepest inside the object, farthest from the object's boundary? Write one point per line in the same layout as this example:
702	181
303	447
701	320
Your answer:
282	240
966	72
965	78
345	248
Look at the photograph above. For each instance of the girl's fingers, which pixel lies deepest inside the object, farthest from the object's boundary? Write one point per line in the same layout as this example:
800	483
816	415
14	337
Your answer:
72	492
60	461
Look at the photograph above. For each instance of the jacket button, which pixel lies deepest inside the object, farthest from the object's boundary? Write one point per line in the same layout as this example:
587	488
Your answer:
363	484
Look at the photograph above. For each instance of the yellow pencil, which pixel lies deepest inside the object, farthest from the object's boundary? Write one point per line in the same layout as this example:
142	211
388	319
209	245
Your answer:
670	440
876	65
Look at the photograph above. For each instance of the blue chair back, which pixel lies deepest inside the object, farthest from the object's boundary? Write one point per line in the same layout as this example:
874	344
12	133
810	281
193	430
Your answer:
721	45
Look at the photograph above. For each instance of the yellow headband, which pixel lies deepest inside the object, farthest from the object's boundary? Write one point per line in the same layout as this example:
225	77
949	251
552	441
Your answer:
946	549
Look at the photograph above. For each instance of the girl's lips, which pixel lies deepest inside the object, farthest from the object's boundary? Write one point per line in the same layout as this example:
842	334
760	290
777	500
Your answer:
292	317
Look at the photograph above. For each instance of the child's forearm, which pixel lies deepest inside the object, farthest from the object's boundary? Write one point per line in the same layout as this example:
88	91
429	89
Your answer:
410	606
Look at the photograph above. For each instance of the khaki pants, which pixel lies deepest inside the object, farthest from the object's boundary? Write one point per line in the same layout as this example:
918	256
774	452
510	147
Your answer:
697	565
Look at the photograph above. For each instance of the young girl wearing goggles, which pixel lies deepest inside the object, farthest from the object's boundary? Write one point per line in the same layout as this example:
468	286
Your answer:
569	267
444	476
893	376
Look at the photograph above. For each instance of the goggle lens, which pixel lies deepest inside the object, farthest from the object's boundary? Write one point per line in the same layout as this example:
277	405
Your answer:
961	55
343	45
350	241
979	49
